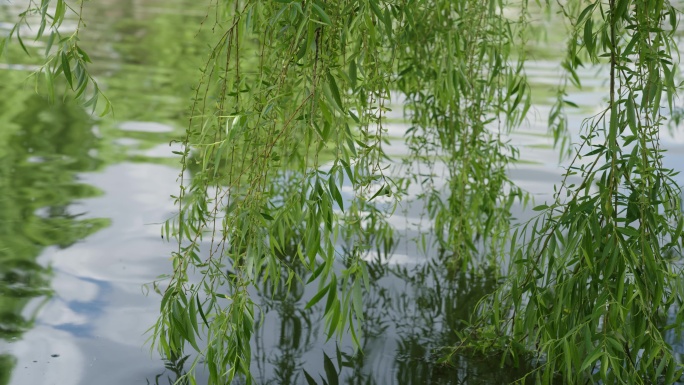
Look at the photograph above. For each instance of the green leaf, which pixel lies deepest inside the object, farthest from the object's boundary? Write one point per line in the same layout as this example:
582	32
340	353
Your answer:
82	78
387	19
50	84
381	190
83	54
335	192
376	9
568	358
60	9
332	294
317	297
41	28
335	91
317	273
585	12
107	109
348	170
50	41
628	50
357	300
330	371
309	379
201	311
588	38
621	9
631	115
540	207
570	103
21	43
592	358
629	231
324	16
350	144
66	69
303	48
352	73
192	314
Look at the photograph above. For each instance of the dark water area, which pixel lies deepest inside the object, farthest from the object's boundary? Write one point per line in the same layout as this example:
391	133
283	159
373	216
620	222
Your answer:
82	200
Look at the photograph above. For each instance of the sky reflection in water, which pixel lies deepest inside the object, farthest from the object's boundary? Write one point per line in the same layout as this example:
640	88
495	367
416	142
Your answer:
81	202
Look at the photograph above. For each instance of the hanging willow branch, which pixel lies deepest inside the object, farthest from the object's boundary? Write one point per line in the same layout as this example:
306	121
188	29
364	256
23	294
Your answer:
286	86
62	56
299	96
283	159
594	287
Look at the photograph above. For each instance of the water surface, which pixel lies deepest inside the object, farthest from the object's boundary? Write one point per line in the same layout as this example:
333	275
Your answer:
82	199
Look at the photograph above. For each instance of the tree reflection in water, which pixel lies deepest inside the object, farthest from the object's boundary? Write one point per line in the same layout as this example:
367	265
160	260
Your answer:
42	148
173	372
411	313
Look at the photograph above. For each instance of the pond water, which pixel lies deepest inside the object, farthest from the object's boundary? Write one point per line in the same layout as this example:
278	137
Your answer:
82	200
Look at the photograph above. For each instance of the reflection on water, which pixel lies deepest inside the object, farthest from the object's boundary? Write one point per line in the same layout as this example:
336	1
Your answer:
147	55
65	287
81	201
173	373
412	312
42	147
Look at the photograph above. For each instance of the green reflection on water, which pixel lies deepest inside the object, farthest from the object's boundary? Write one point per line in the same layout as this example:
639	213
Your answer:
147	56
6	364
412	312
42	147
147	59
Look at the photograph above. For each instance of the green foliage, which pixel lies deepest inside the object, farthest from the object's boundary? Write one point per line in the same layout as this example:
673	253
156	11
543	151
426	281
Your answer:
63	56
461	71
593	285
261	127
318	89
284	161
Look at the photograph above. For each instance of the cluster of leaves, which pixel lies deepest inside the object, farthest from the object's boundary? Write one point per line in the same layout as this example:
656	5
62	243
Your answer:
285	147
63	57
290	85
287	86
593	288
460	102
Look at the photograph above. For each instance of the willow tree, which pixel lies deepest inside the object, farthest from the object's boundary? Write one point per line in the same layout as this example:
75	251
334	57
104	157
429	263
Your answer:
292	106
594	284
